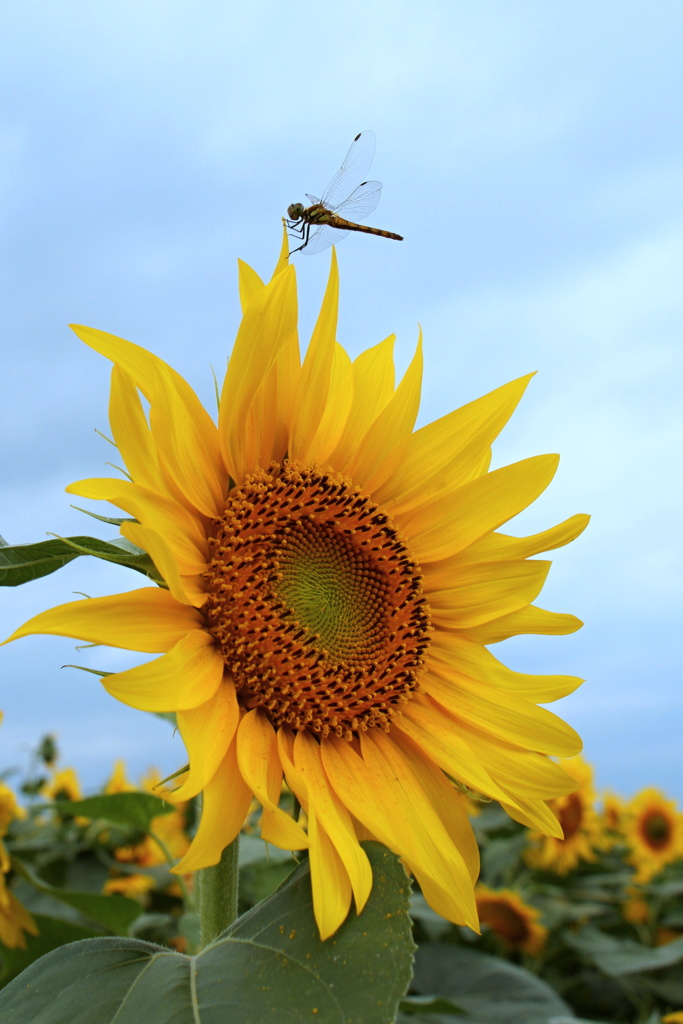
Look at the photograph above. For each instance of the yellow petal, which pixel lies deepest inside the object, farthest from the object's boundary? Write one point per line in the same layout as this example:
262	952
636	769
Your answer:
250	284
272	411
187	443
186	590
449	524
372	389
441	739
182	531
446	801
207	731
527	620
315	389
330	883
380	451
498	713
186	677
163	386
534	814
260	766
498	546
307	779
485	591
473	660
382	792
225	805
269	322
131	432
283	258
137	362
450	451
318	446
148	620
533	776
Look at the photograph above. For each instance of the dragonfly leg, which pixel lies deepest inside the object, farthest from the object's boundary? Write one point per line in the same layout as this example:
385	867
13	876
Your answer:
305	232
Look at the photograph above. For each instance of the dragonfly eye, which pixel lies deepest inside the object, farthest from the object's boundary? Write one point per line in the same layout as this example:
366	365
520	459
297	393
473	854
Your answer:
295	211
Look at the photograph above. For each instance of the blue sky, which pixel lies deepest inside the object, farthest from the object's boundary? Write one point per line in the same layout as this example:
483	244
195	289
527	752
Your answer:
532	156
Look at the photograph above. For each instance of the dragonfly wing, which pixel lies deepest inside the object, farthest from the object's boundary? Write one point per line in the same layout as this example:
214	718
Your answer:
323	238
362	201
312	200
352	171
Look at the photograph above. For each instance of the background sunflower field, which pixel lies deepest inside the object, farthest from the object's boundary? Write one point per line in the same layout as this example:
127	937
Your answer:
589	928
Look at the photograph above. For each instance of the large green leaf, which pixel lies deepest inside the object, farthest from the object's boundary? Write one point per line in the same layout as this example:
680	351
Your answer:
115	912
54	932
21	563
617	957
488	989
136	809
270	966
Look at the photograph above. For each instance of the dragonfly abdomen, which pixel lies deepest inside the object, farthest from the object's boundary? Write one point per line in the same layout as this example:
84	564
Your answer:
347	225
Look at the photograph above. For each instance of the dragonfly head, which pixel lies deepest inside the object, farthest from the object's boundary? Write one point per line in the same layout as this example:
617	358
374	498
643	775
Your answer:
295	211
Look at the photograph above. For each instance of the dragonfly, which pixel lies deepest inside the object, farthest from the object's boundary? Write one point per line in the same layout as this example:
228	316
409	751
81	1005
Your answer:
346	199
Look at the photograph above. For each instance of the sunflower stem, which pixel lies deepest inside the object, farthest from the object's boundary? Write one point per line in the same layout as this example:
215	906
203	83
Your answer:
218	887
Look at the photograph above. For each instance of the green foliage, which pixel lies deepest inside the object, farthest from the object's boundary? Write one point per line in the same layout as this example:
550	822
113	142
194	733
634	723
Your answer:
136	809
597	966
485	989
269	965
21	563
604	959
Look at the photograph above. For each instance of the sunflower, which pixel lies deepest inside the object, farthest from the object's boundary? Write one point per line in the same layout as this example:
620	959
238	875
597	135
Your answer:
14	919
330	579
635	907
579	821
653	828
516	924
135	887
166	838
63	785
611	821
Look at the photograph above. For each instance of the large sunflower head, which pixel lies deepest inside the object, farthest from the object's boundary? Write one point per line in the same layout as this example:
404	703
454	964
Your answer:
654	832
330	579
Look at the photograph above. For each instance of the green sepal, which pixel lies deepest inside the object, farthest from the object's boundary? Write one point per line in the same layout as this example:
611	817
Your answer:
21	563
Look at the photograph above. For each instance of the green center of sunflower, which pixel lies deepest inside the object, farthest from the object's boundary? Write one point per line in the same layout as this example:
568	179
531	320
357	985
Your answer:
315	602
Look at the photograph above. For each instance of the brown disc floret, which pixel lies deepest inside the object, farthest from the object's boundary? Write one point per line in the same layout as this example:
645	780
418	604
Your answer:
315	602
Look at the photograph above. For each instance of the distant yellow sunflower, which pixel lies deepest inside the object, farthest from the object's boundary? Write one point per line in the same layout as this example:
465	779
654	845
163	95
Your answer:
330	580
611	820
635	907
14	919
10	810
654	831
135	887
579	822
63	785
118	781
167	836
516	924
